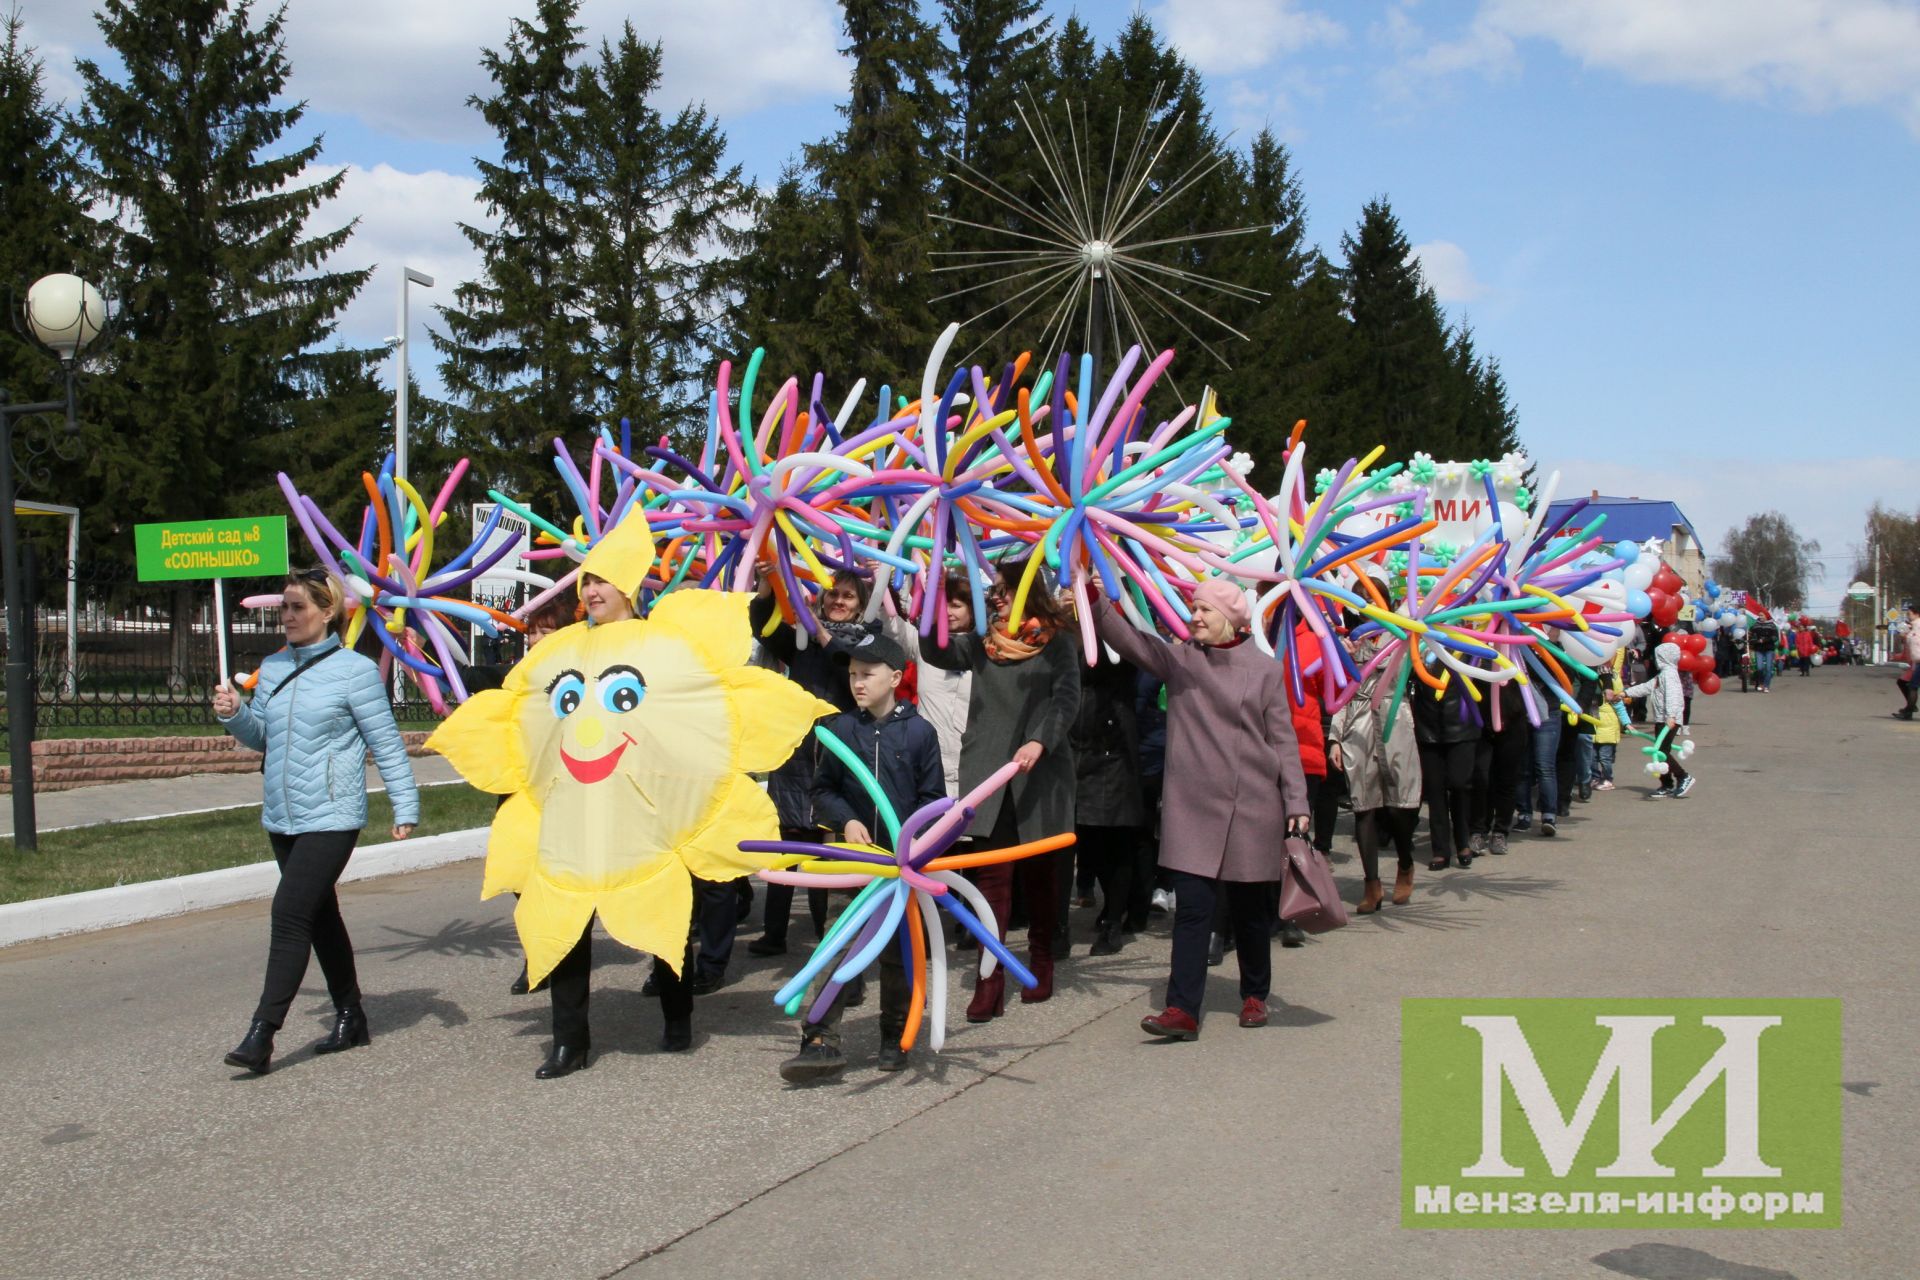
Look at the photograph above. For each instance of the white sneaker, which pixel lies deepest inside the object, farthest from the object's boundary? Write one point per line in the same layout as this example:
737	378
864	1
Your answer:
1162	900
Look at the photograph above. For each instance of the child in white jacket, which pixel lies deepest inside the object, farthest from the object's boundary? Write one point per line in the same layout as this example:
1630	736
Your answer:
1665	709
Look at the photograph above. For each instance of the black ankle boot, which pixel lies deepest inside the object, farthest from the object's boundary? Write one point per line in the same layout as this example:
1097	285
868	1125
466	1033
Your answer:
562	1060
256	1051
349	1030
678	1036
1108	941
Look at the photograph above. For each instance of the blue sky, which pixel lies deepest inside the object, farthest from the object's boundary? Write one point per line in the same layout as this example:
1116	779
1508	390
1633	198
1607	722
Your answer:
1685	230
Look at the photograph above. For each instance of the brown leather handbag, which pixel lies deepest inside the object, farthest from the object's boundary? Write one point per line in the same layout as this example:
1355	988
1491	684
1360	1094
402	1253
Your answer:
1308	895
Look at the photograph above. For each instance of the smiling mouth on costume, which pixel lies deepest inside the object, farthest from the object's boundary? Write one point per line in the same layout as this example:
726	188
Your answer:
588	772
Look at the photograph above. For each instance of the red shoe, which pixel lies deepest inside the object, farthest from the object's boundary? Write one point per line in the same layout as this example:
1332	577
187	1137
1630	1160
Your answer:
1253	1013
1043	990
989	999
1174	1024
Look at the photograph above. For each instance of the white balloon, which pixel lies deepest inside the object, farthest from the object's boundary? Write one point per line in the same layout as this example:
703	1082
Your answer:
1638	576
1708	626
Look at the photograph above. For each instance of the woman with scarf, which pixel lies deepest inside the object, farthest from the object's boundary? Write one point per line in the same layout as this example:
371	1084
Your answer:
1233	780
1024	700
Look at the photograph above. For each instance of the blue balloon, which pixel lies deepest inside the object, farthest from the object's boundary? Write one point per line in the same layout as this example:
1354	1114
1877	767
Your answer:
1639	604
1627	552
1713	589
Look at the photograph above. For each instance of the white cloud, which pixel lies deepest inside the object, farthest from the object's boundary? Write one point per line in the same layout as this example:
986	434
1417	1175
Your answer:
1447	271
406	219
1825	498
1815	54
407	68
1225	37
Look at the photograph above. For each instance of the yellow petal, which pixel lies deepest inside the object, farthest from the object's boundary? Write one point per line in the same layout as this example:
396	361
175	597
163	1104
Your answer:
550	921
624	553
482	740
714	623
771	716
652	916
512	844
745	812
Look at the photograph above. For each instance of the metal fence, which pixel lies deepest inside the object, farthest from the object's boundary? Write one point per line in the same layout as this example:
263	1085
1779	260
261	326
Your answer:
119	658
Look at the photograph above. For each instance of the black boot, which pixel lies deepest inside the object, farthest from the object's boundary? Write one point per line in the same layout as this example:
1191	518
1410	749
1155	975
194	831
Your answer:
1108	941
519	987
349	1031
678	1037
256	1050
563	1060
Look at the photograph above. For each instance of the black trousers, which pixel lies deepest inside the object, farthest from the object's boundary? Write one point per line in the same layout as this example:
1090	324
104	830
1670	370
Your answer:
1566	767
1112	854
1193	907
1323	801
571	980
716	915
306	921
1446	779
780	897
1398	824
1502	765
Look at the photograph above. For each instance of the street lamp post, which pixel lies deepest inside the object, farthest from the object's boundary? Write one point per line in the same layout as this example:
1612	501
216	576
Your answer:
407	276
63	314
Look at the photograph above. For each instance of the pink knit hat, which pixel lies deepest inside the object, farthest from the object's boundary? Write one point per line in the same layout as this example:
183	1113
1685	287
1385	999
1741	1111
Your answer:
1227	599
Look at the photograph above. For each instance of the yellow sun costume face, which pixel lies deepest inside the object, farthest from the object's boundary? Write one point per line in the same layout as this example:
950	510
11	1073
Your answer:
624	752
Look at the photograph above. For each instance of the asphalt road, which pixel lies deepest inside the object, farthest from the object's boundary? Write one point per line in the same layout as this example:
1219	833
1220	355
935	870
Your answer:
1053	1142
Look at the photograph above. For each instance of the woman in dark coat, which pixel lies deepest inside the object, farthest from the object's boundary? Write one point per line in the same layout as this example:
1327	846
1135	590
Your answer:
1449	734
1026	694
1233	784
1108	807
815	669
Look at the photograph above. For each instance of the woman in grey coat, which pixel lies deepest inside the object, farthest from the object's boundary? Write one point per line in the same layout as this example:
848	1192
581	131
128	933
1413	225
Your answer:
1383	773
1234	786
1026	693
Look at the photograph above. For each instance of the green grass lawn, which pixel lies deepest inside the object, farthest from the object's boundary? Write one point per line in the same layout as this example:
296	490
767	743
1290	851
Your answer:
130	852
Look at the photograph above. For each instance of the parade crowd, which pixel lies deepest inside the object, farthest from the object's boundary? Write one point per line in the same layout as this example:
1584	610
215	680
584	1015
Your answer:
1182	768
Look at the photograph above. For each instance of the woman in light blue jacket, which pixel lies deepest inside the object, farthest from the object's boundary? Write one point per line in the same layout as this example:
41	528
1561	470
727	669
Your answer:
316	711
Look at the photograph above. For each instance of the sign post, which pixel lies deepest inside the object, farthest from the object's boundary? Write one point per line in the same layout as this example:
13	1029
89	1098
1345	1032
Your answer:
249	547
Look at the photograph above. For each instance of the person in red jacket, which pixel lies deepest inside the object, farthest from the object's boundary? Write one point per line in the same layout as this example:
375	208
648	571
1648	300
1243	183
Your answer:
1806	642
1310	726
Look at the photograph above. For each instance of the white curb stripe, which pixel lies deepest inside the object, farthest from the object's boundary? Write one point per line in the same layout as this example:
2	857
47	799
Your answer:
157	899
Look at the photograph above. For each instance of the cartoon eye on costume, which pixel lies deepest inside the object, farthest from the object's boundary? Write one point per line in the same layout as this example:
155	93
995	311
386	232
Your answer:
621	688
565	692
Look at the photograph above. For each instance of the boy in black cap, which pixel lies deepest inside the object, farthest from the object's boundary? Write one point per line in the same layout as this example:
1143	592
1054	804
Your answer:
903	751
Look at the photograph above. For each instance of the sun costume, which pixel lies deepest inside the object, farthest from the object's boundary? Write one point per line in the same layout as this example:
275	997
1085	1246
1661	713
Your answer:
624	752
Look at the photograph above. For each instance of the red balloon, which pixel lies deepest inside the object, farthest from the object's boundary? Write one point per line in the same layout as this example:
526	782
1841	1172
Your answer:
1694	643
1708	684
1668	581
1666	608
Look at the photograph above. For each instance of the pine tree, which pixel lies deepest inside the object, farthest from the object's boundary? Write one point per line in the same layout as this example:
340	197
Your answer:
1398	367
516	350
226	300
651	199
779	281
46	227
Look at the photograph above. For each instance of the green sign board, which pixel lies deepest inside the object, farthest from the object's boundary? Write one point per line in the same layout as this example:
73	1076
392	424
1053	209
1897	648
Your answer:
252	547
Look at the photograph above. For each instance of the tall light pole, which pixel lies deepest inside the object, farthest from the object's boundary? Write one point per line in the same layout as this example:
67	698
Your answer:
63	313
407	276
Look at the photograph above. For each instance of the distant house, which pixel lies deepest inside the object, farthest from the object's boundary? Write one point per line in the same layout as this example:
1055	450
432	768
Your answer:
1643	519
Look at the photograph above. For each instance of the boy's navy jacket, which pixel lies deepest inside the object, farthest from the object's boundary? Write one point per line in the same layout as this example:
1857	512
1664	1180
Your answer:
904	753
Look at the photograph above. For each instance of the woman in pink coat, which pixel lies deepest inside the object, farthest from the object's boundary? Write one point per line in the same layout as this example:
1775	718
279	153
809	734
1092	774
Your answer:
1234	786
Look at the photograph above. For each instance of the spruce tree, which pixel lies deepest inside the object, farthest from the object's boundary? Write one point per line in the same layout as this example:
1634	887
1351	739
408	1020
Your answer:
226	299
1398	367
46	227
651	198
880	176
515	354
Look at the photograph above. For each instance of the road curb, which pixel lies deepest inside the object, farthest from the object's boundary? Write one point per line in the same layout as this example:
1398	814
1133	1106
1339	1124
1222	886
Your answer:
157	899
